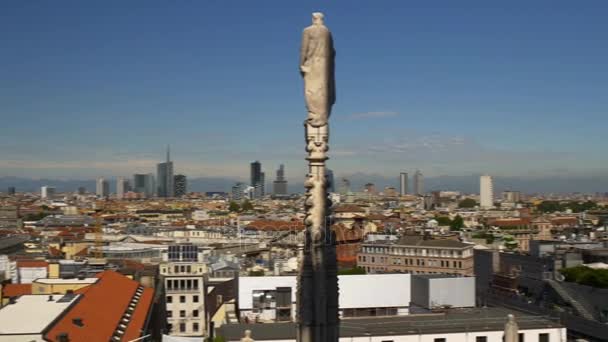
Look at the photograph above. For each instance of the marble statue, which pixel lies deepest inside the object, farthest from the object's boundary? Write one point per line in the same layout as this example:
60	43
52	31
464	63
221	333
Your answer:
317	68
511	330
317	280
247	337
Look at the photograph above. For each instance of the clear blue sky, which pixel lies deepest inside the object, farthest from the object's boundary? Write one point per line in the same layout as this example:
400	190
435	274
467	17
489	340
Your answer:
517	88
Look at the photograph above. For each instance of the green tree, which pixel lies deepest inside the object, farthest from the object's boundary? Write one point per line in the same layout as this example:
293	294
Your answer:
467	203
234	207
246	205
443	220
253	273
457	223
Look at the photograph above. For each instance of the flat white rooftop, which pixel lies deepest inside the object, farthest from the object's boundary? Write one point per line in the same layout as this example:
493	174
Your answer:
66	281
32	313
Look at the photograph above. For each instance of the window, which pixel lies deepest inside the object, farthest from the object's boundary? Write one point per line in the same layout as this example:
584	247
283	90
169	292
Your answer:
169	299
481	339
169	327
543	337
182	299
195	283
195	299
195	327
439	340
169	313
182	327
182	313
194	313
521	337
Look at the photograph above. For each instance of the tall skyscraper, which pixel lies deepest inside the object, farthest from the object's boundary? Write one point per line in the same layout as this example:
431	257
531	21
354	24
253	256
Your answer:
345	186
279	187
122	186
418	183
11	191
329	175
257	179
164	177
47	192
403	183
81	190
181	185
144	184
486	192
511	196
102	189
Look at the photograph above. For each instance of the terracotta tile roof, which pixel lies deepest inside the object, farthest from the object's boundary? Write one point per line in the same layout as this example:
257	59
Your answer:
14	290
32	263
101	309
268	225
54	252
349	208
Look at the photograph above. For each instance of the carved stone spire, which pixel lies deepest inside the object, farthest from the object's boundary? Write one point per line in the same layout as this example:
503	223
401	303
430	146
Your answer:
318	280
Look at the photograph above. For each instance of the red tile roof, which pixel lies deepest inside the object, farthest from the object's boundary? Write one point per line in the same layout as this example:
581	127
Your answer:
14	290
32	263
101	309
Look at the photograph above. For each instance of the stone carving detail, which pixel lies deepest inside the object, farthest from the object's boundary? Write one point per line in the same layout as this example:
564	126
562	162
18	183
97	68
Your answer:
317	56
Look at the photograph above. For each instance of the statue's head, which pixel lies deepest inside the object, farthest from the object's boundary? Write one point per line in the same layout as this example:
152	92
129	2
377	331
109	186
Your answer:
247	333
317	18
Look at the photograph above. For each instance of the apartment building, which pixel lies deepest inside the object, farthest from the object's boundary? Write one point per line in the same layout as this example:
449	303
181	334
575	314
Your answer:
183	272
417	255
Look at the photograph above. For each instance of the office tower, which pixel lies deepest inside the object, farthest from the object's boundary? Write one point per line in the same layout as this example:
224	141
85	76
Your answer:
181	185
511	196
403	183
486	192
102	188
238	191
47	192
329	176
11	190
257	179
164	177
144	184
183	271
81	190
122	186
280	184
418	183
345	186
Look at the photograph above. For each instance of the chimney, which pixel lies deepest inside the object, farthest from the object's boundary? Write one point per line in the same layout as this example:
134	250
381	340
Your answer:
78	321
50	298
63	337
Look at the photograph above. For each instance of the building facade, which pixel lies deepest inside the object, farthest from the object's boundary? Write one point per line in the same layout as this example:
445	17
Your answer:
257	179
102	188
47	192
279	187
183	273
486	192
122	186
403	183
144	184
181	185
417	255
418	183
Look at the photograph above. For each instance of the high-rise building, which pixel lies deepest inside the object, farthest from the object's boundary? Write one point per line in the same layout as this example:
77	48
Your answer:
238	191
511	196
418	183
403	183
345	186
102	189
122	186
11	190
47	192
370	188
257	179
486	192
280	184
181	185
81	190
329	176
144	184
164	177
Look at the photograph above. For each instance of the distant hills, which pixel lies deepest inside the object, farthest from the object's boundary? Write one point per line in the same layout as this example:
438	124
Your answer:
467	184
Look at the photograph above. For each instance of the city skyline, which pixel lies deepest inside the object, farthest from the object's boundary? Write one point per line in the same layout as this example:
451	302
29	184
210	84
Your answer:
493	72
